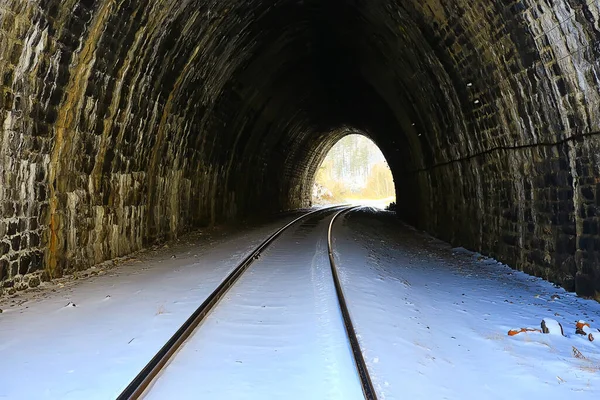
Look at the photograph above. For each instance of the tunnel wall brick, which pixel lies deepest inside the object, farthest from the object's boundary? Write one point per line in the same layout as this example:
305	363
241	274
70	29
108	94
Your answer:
24	142
128	122
525	188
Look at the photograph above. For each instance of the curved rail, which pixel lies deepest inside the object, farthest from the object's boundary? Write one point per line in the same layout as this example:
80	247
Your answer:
361	366
143	380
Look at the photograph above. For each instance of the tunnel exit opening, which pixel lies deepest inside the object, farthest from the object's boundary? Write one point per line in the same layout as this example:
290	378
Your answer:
354	171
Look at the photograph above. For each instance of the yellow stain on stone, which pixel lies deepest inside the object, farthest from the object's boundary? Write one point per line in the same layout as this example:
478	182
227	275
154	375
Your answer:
66	124
162	127
433	9
112	110
66	9
160	12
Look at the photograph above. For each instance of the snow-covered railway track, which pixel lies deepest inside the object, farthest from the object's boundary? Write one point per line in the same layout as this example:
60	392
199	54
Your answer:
361	366
307	280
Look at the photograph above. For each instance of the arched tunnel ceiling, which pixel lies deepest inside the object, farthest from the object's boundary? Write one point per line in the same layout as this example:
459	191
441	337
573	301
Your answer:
129	121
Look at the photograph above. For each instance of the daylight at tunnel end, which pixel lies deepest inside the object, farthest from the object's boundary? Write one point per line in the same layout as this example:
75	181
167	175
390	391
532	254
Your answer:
127	122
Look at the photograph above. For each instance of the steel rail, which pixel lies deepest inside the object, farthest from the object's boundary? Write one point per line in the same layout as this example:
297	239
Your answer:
144	379
361	367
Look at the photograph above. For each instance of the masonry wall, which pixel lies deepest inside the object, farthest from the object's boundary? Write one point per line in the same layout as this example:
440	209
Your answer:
126	122
519	181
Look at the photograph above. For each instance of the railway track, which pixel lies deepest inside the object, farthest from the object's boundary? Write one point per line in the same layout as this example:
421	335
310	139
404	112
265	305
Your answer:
141	385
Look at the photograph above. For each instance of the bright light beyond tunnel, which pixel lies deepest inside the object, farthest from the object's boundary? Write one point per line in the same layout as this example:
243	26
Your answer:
354	171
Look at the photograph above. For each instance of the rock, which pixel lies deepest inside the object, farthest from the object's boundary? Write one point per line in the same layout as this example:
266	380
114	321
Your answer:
45	277
34	281
21	286
552	327
584	285
12	291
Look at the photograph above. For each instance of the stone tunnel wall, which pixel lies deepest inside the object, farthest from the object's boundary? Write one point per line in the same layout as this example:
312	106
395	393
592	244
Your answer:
521	180
498	103
130	121
124	122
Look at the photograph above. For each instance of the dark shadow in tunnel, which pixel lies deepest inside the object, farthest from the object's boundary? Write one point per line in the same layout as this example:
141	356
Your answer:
351	100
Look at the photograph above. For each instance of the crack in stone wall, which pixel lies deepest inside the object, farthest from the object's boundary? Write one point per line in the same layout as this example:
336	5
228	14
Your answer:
578	138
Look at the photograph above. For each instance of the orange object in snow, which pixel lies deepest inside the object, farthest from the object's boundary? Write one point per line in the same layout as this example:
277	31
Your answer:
514	332
581	324
583	328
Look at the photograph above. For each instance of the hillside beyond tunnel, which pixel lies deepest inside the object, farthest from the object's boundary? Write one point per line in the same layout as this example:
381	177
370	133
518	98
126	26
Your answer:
129	121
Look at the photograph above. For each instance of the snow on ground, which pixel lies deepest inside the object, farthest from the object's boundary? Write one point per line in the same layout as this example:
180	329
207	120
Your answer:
50	349
433	320
277	334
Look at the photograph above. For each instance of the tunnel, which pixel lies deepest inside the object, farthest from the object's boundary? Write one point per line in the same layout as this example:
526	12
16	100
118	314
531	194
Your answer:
129	122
